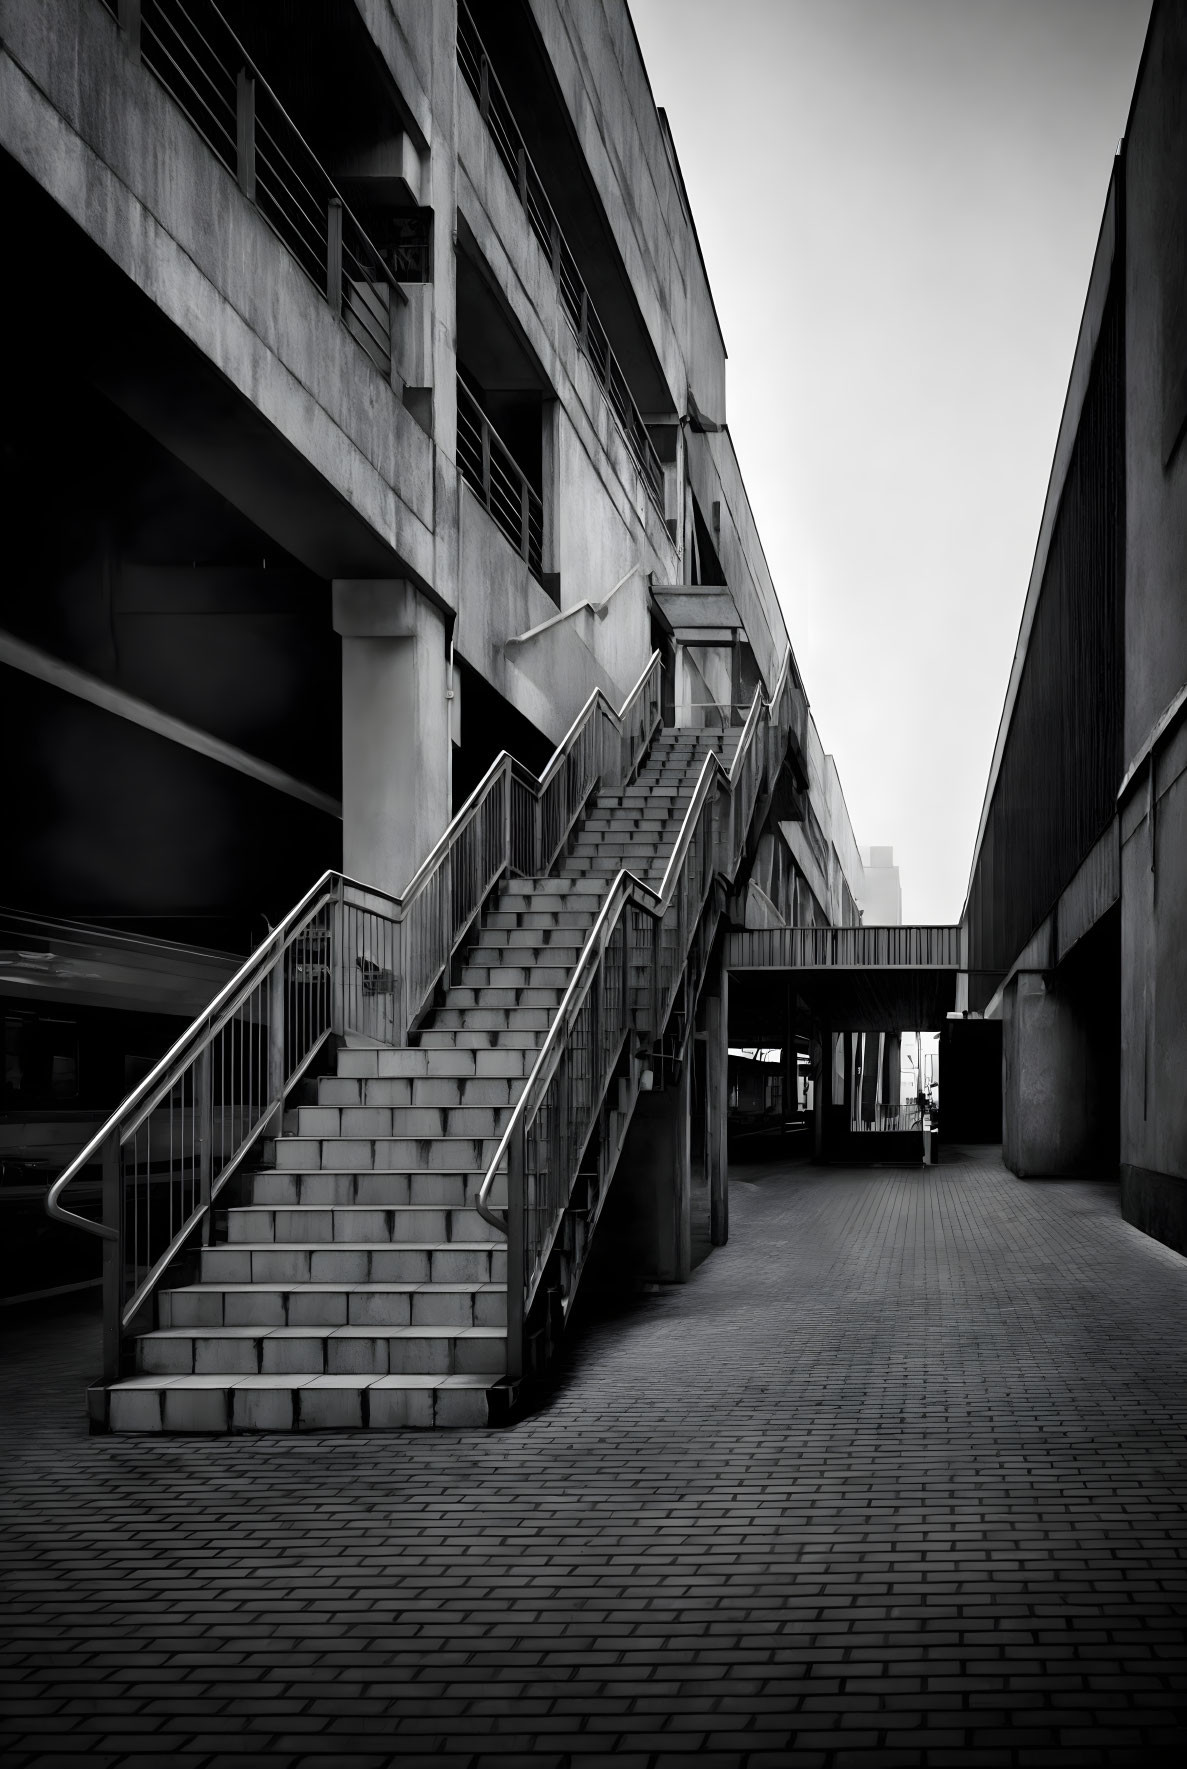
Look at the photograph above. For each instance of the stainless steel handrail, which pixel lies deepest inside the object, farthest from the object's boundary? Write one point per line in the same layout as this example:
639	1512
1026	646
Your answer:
168	1063
346	958
592	338
626	891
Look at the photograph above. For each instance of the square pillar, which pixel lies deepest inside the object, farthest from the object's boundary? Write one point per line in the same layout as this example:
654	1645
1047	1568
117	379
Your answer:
716	1013
654	1181
1058	1091
395	729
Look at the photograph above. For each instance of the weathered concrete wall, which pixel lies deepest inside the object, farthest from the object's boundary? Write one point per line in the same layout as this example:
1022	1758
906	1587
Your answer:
1061	1064
596	59
1154	847
717	479
99	134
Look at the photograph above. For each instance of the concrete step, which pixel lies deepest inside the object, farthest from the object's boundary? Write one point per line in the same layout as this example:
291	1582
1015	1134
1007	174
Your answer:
356	1224
428	1186
564	942
499	1040
528	995
483	1060
496	973
298	1403
334	1305
359	1262
401	1121
498	921
337	1351
393	1154
490	1019
421	1090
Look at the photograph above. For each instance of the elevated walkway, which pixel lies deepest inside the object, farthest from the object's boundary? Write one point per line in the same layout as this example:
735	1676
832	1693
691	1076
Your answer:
867	979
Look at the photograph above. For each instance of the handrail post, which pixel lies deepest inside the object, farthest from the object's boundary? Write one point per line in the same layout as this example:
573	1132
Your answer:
515	1253
203	1106
338	960
334	256
275	1074
524	527
113	1259
508	789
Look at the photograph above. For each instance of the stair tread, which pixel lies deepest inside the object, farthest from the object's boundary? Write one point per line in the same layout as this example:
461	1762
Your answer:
287	1379
305	1286
326	1332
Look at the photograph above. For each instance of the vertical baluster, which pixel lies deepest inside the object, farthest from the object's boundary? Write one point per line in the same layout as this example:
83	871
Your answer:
113	1256
274	1091
338	959
203	1116
516	1180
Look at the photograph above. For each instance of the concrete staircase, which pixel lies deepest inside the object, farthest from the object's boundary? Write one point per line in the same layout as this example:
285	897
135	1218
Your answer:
357	1286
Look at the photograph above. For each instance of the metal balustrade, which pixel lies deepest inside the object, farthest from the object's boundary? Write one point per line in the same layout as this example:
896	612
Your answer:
194	53
647	948
346	959
491	470
863	948
578	309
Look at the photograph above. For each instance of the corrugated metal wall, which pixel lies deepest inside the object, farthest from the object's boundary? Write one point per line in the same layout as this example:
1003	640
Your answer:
1061	765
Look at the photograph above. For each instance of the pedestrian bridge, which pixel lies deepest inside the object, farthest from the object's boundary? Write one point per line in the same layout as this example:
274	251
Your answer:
866	979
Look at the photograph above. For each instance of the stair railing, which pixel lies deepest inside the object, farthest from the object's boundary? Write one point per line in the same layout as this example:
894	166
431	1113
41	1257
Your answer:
623	988
345	959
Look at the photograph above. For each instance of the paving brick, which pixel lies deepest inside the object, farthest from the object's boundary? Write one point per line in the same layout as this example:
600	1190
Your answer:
898	1477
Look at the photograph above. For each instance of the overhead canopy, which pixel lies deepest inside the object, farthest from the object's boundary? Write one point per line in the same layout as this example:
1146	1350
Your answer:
697	616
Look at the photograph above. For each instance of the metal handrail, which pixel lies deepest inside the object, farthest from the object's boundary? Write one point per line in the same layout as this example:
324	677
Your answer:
520	517
166	1064
591	335
527	1262
346	958
198	57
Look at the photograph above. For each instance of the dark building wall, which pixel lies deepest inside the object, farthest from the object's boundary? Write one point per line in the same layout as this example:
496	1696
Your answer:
970	1081
1154	846
1060	768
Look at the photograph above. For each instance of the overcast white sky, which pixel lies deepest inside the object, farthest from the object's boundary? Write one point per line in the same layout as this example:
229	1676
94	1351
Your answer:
898	202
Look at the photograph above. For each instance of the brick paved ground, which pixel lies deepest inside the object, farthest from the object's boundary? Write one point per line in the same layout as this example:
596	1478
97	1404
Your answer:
898	1478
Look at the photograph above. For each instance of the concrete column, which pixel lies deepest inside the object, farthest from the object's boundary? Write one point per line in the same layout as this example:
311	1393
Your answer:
892	1063
655	1181
871	1075
822	1041
716	1011
789	1065
1058	1095
395	729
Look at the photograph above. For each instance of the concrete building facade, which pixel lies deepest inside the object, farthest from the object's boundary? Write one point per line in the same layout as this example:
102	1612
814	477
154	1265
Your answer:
383	397
1076	920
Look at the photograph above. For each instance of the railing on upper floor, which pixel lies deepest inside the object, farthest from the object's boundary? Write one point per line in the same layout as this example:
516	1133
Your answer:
646	948
871	947
192	50
489	467
346	959
579	310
